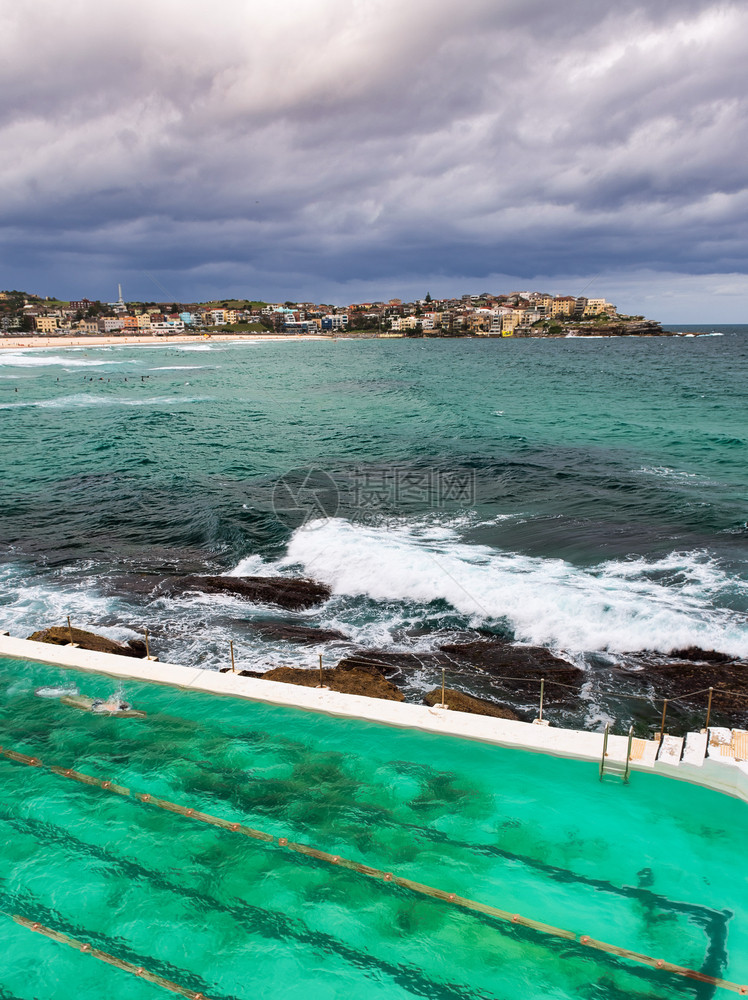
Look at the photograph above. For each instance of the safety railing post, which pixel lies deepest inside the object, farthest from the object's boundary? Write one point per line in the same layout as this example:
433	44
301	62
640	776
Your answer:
605	750
628	754
708	709
542	691
662	723
233	666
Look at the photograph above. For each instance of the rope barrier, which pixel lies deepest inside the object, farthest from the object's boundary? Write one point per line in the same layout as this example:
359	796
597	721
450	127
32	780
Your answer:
569	687
103	956
356	866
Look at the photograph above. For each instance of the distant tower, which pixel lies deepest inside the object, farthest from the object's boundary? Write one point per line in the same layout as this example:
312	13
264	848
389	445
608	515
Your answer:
118	306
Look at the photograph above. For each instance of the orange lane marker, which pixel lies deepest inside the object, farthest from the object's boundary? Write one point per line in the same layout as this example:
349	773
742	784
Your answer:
103	956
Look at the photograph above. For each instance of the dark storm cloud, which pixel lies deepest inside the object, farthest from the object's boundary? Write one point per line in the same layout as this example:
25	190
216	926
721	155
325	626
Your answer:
341	143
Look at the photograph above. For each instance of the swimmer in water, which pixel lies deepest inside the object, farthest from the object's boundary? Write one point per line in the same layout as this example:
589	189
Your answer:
112	704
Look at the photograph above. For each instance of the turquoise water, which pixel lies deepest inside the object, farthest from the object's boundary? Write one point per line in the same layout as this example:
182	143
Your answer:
585	495
656	866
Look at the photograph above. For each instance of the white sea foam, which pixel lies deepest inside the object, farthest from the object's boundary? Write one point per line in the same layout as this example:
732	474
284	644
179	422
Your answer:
620	606
82	400
178	368
30	359
254	566
56	692
26	605
673	475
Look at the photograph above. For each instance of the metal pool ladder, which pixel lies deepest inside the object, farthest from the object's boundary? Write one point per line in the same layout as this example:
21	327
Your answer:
616	768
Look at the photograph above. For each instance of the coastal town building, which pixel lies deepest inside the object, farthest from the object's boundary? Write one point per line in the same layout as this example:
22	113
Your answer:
596	307
516	313
46	324
335	321
85	327
108	324
80	305
165	327
563	305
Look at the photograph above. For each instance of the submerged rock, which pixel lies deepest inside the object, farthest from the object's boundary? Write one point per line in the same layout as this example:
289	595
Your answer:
304	634
458	701
60	636
353	681
294	594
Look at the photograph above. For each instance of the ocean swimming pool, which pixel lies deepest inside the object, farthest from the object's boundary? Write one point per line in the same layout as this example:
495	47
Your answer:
656	866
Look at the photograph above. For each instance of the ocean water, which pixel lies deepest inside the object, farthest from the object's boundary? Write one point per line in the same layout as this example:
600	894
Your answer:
585	495
656	866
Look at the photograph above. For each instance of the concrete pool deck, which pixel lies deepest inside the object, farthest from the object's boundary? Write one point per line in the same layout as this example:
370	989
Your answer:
712	763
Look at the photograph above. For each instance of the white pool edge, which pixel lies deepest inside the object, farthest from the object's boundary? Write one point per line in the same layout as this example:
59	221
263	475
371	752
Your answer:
722	775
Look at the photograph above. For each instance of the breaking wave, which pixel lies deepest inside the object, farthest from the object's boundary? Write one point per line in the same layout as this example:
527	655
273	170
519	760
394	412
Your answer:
32	359
619	606
81	399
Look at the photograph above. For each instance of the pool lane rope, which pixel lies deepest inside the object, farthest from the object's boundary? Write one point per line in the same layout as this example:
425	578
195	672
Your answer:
335	859
103	956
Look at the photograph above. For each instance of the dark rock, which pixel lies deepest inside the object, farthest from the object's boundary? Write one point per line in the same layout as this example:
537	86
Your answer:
481	665
518	670
60	636
458	701
297	633
353	681
286	592
700	655
675	679
618	328
241	673
500	655
391	663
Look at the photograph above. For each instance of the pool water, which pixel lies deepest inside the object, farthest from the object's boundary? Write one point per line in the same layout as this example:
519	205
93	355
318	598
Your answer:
657	866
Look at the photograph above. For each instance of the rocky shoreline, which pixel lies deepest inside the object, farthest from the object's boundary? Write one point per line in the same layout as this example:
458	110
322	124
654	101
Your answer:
483	672
616	328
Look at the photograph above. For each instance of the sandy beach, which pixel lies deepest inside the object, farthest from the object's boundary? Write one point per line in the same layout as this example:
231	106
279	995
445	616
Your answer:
186	338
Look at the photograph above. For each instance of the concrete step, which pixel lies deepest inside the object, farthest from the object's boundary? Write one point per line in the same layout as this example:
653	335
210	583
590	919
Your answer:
729	744
740	743
644	752
695	749
671	749
720	741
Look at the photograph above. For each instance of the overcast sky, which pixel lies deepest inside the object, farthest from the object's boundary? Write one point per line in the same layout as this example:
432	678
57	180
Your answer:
341	150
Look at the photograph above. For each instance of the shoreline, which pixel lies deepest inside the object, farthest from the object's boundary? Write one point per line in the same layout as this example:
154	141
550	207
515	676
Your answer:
34	341
108	341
